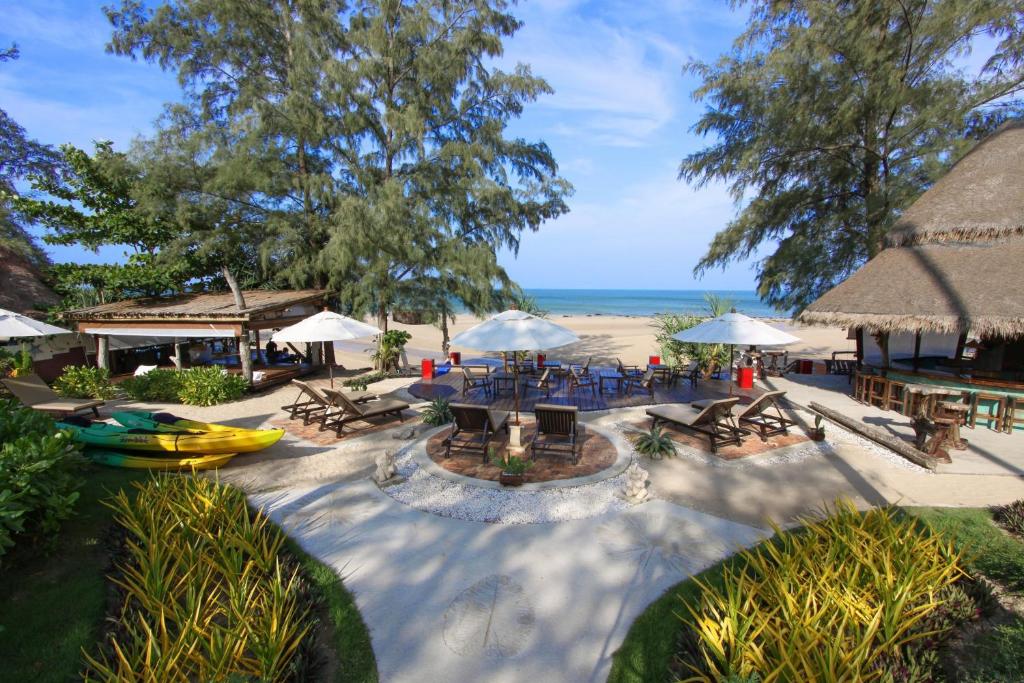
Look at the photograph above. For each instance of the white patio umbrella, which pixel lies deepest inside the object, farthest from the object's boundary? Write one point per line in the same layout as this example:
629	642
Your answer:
735	328
324	327
517	331
14	325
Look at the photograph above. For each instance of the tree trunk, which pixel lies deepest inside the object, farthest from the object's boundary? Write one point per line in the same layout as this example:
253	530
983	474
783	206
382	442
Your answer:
244	357
382	323
445	346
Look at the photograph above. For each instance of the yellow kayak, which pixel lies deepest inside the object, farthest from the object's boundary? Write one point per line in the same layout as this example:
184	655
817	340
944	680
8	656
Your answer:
108	436
166	422
133	461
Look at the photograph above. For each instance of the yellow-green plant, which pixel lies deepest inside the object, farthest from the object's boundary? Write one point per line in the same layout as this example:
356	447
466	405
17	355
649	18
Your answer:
835	601
205	595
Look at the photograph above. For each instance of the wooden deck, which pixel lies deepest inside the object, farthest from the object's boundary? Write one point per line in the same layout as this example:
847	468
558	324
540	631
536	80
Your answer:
450	386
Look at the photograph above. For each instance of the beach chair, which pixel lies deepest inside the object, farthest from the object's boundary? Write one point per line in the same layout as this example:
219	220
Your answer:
558	430
713	419
765	423
691	373
313	404
471	380
627	370
349	411
583	369
474	427
645	381
581	380
34	393
543	385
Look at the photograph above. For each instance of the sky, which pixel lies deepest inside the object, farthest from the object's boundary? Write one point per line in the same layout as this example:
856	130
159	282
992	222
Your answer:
618	123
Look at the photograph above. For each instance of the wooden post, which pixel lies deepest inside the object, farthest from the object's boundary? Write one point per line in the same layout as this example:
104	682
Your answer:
179	349
102	351
860	347
961	342
917	350
256	335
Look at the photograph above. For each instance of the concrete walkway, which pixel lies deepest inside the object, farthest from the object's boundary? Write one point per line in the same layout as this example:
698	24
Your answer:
452	600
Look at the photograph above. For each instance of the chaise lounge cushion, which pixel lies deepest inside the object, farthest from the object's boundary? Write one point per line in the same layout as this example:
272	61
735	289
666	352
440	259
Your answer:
34	393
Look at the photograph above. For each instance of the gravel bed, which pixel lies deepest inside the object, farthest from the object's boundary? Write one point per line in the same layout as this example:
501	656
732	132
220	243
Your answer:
427	493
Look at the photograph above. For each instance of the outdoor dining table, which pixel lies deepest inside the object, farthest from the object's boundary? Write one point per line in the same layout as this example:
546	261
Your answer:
612	377
661	371
503	381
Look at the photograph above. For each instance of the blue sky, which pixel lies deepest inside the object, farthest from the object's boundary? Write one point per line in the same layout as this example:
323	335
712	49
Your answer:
618	124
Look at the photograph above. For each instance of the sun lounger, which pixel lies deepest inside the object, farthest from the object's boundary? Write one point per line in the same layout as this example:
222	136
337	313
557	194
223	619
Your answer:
557	430
317	403
765	423
349	411
34	393
474	427
713	419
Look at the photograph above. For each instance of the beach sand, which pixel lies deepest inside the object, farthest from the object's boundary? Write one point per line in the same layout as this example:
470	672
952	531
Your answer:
605	337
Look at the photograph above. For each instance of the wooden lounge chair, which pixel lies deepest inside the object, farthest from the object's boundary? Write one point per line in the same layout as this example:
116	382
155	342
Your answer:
627	370
349	411
471	380
690	373
543	384
645	381
714	420
557	430
581	380
582	369
757	417
34	393
313	404
474	427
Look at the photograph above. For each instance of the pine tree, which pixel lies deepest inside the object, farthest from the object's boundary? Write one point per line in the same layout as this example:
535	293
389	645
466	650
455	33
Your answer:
830	117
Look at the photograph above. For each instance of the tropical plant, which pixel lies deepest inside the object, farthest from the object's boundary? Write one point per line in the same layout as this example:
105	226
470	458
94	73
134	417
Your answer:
848	597
389	350
828	117
655	443
516	465
17	363
678	354
39	475
1010	517
84	381
159	385
438	413
205	592
210	385
363	381
528	304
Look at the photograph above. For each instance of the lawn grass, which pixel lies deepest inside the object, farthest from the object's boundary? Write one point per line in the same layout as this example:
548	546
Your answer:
356	661
52	606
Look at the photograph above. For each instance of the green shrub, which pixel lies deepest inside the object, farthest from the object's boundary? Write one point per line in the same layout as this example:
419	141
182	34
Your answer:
1010	517
206	593
850	597
208	386
655	443
38	477
360	383
389	352
83	381
438	412
157	385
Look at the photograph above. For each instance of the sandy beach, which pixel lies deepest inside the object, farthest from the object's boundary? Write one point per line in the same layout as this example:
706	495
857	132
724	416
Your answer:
604	337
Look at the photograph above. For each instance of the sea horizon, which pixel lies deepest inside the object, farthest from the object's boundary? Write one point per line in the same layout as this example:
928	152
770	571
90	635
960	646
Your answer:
646	302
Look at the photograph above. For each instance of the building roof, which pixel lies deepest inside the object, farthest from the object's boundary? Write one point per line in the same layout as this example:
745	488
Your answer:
22	289
213	306
980	197
948	287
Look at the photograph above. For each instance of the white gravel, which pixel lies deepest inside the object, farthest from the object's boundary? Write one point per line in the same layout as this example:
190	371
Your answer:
427	493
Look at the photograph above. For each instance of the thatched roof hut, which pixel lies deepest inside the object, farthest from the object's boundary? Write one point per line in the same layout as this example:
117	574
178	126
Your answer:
954	256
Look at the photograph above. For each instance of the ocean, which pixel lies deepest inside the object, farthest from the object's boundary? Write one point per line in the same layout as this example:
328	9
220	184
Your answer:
646	302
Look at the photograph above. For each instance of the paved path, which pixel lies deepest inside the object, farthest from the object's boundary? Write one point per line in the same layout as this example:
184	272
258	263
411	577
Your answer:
451	600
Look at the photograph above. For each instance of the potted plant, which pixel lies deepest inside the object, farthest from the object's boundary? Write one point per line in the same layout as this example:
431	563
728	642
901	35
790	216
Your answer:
514	472
819	429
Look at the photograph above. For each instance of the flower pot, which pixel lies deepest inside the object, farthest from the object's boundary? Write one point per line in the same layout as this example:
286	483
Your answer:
818	435
510	479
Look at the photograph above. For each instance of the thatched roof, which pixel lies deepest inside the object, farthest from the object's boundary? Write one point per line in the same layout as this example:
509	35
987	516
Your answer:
981	197
216	306
948	287
22	289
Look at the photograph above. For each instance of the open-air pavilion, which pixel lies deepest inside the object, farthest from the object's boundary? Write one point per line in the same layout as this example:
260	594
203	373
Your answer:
187	319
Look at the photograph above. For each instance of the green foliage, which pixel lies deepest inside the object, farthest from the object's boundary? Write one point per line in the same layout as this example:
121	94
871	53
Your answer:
655	443
206	595
438	412
38	477
678	354
360	383
840	599
83	381
995	656
1011	517
162	386
17	363
389	352
515	464
528	304
208	386
831	117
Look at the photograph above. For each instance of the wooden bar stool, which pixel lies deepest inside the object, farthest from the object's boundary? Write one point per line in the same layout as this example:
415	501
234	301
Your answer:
878	388
1014	412
996	412
895	397
860	387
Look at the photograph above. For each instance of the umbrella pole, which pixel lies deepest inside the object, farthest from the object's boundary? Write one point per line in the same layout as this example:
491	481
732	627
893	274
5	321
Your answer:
330	366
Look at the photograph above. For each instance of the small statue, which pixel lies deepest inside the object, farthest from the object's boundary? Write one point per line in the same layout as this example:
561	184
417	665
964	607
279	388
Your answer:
635	490
385	467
